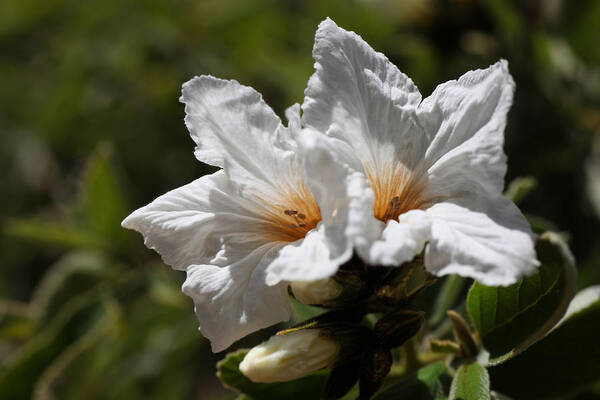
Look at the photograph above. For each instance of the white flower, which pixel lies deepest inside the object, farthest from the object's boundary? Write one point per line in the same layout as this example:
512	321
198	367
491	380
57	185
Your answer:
290	356
369	167
262	215
436	166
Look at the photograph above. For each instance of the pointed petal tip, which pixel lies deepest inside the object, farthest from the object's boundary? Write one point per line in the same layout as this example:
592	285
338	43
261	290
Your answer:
130	222
327	22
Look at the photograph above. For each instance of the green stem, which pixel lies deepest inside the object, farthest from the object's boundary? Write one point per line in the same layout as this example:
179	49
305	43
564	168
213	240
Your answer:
410	357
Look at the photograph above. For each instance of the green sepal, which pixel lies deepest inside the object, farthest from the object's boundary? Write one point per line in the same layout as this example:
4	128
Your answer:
468	348
401	285
396	327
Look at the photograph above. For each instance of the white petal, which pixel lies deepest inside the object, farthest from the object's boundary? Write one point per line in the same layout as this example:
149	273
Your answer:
206	221
465	120
346	204
235	129
307	259
401	240
234	301
359	97
471	244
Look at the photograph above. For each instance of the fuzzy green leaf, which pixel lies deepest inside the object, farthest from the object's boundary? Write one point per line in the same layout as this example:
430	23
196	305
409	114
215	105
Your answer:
563	362
509	319
471	382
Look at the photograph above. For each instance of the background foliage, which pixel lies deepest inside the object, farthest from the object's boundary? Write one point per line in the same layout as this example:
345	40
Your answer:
91	129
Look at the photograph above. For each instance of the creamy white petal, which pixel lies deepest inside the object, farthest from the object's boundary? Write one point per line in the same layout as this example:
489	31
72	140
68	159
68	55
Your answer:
401	240
358	96
235	129
465	122
206	221
471	244
234	301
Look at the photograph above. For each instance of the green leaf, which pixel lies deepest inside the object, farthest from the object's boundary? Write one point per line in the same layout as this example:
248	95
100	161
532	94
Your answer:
16	321
471	382
309	387
563	362
53	233
74	273
22	371
101	199
55	371
429	383
510	319
303	312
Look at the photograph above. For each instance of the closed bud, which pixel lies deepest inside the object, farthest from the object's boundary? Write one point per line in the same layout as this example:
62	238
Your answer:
290	356
316	292
396	327
464	337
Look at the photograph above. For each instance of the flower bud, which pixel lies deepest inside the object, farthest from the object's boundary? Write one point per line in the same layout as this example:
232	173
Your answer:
290	356
316	292
396	327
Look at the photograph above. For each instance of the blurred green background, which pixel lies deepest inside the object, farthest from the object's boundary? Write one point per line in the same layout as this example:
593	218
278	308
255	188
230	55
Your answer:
91	128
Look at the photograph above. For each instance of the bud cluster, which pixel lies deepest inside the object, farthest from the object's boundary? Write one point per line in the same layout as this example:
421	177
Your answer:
344	339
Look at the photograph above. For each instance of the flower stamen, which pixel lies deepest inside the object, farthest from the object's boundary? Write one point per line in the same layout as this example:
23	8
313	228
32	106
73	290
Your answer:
397	190
288	224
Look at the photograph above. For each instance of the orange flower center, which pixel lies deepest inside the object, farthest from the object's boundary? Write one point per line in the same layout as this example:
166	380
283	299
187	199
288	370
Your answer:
294	211
292	215
397	190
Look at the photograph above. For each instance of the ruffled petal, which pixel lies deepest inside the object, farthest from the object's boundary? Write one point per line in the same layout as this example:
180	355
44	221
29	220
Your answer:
206	221
401	240
308	259
358	96
234	301
471	244
236	130
465	122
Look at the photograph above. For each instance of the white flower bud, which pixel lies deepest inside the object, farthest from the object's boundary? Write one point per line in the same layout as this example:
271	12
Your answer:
290	356
316	292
